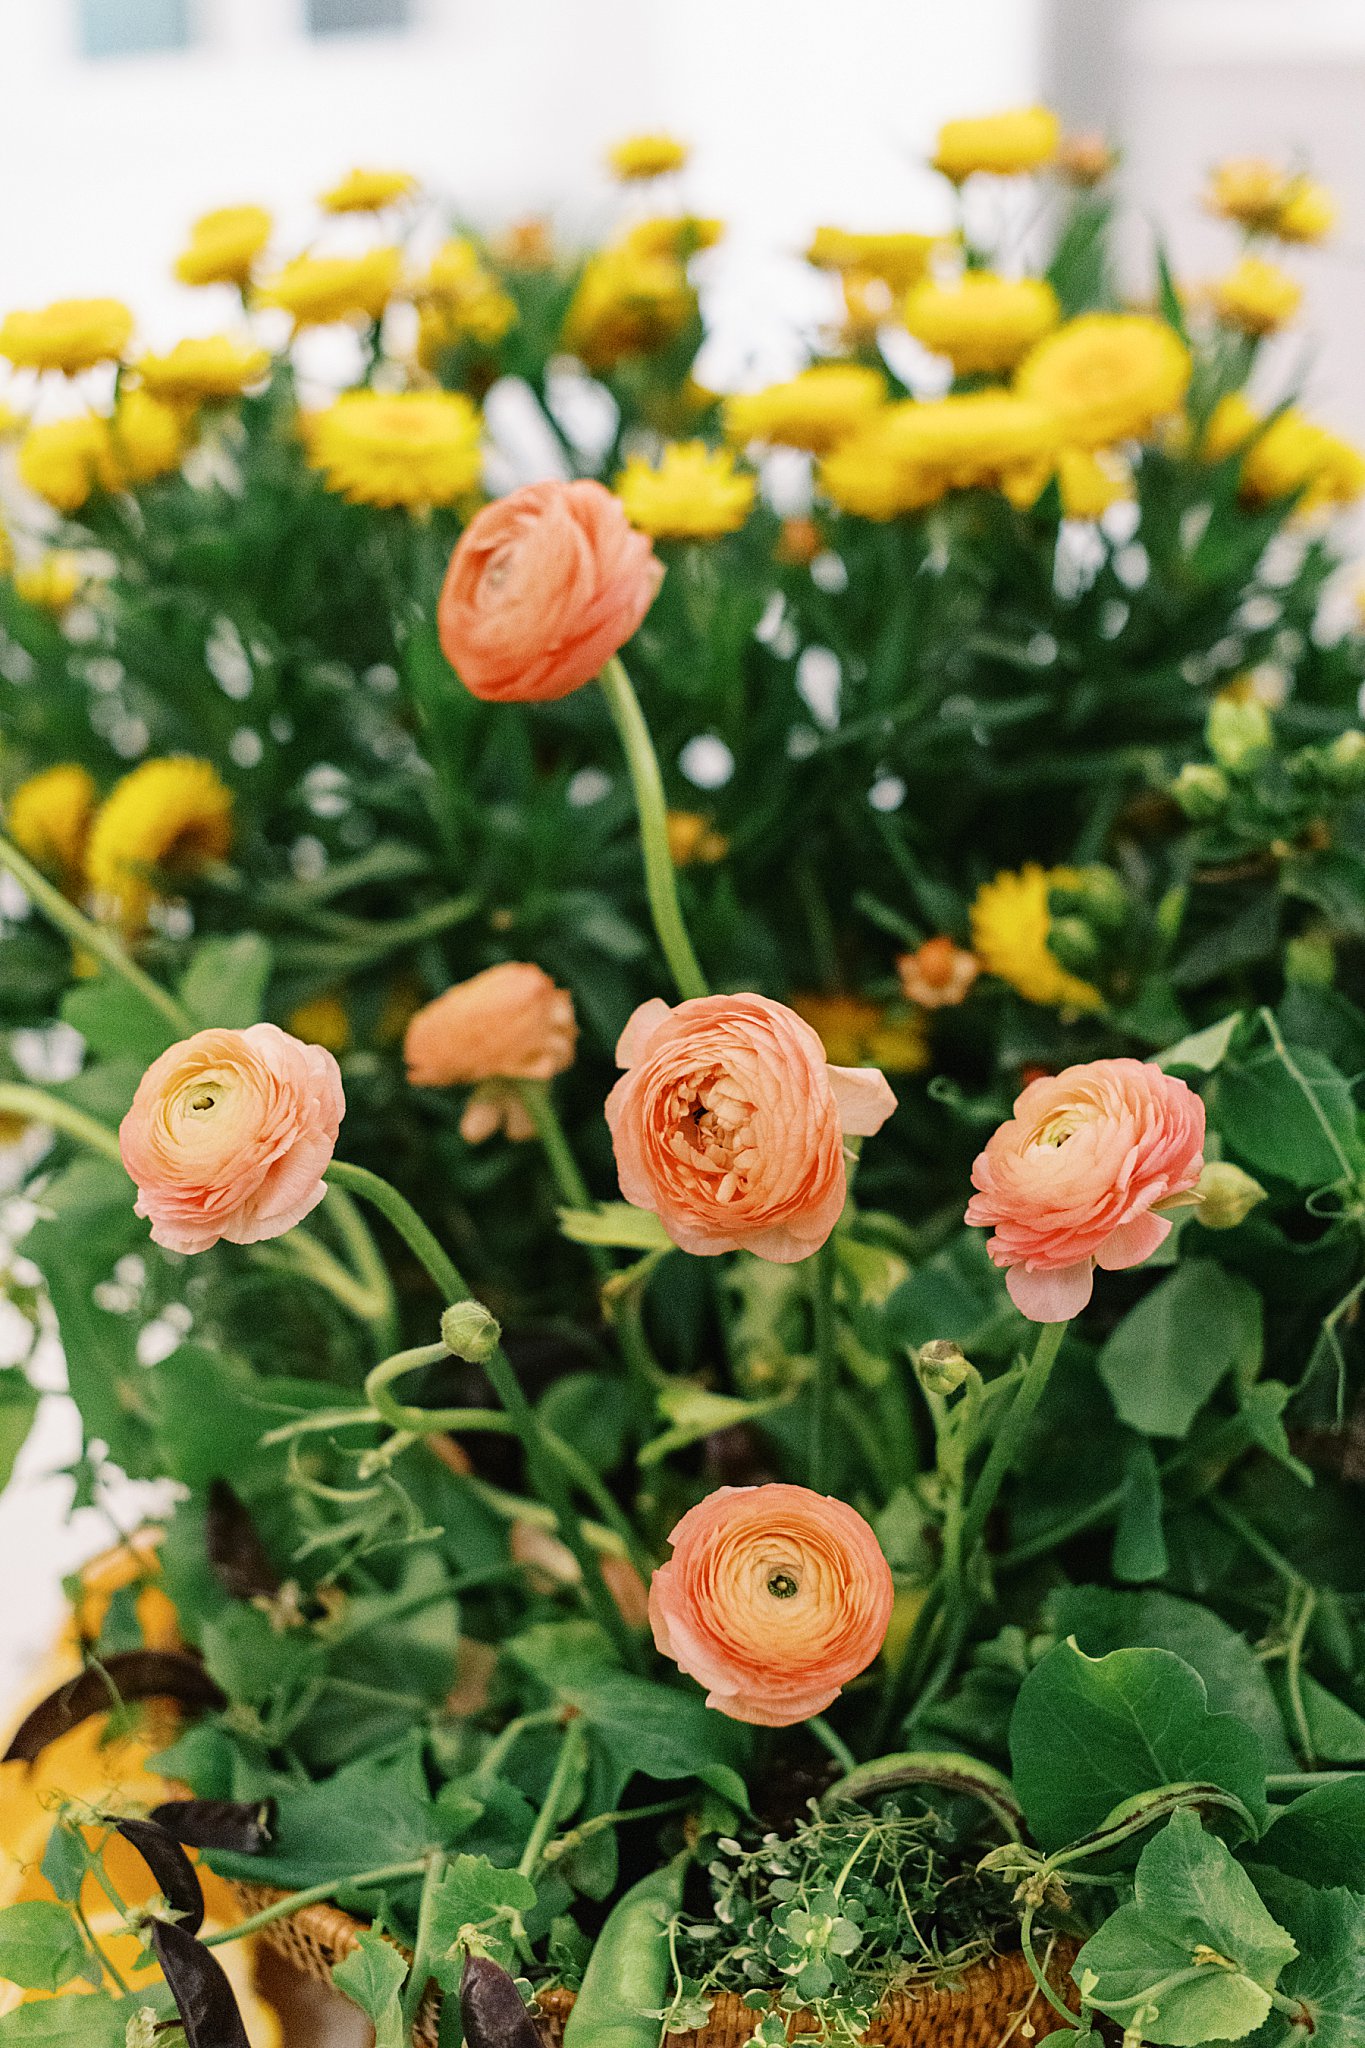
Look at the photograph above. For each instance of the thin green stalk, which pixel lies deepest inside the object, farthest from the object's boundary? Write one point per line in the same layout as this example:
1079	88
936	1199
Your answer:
420	1973
835	1744
316	1895
370	1269
84	932
1010	1435
398	1211
571	1752
570	1185
300	1252
825	1384
500	1748
36	1106
105	1962
661	881
574	1838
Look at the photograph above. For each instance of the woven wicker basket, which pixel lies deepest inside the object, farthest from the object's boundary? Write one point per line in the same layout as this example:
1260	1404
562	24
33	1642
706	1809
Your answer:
990	2004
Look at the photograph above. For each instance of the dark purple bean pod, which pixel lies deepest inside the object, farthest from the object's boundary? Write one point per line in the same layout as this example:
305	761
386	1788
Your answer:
236	1553
124	1677
243	1825
491	2008
176	1877
203	1996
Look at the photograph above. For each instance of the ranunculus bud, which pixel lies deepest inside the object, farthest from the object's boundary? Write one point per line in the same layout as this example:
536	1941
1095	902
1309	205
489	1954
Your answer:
1071	941
471	1331
942	1366
1201	791
1226	1194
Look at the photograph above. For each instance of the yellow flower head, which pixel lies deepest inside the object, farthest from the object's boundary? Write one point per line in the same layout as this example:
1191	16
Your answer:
694	493
66	461
223	246
1010	925
678	235
52	583
980	322
322	1021
1005	144
1309	213
1296	456
1230	426
167	818
896	260
460	300
147	438
813	410
317	290
69	335
646	156
215	366
627	304
408	448
1090	481
363	191
858	1033
49	820
1107	376
693	840
1248	189
912	454
1257	296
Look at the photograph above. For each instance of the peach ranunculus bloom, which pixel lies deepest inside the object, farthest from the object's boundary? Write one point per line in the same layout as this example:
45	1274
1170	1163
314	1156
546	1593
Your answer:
729	1123
543	587
510	1023
773	1599
939	975
1073	1180
229	1136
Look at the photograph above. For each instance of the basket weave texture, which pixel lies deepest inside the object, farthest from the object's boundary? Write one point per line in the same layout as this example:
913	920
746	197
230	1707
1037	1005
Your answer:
988	2005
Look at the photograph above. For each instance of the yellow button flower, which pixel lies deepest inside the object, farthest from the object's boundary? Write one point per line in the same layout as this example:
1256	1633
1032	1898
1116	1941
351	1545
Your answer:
362	191
1257	296
1090	481
52	583
69	335
694	841
317	290
1107	377
1010	924
214	366
223	246
813	410
693	493
1309	213
980	322
855	1033
324	1021
646	156
168	818
1297	456
458	300
627	304
679	235
1004	144
66	461
912	454
408	448
897	260
147	438
1248	189
49	819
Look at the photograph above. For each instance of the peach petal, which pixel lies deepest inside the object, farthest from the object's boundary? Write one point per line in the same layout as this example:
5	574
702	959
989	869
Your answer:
1051	1297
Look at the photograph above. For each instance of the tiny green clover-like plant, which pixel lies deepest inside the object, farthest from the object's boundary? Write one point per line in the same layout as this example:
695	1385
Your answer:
1195	1955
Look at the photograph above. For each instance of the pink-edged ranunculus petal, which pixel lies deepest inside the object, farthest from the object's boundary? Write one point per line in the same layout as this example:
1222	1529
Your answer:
1132	1242
1051	1297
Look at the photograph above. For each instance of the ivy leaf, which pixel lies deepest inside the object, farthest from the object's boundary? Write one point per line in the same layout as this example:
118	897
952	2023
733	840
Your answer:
1168	1354
377	1810
372	1976
225	983
1321	1836
1089	1732
473	1892
659	1730
617	1225
1202	1050
41	1947
93	2021
1329	1927
1292	1127
1195	1955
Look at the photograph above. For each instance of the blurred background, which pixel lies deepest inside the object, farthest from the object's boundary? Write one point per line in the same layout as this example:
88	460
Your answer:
123	119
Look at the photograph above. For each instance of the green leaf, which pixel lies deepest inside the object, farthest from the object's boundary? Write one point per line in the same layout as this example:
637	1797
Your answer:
657	1729
1337	1730
93	2021
1321	1836
1328	1974
116	1021
1283	1127
1202	1050
1139	1540
18	1406
226	981
694	1412
473	1892
1194	1956
375	1811
1168	1354
40	1946
616	1225
372	1976
1090	1732
588	1410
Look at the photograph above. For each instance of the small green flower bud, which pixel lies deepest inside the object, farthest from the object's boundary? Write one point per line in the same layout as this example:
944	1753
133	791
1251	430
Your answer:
1104	899
1201	791
1310	960
941	1366
1227	1196
1238	729
471	1332
1071	941
1346	757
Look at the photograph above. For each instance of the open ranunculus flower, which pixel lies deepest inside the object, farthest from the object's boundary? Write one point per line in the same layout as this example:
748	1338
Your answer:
729	1123
229	1136
543	587
509	1023
774	1598
1072	1180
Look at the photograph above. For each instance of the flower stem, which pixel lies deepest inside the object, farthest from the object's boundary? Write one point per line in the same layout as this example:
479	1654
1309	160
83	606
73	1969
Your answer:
571	1752
35	1105
315	1895
661	882
569	1183
420	1973
1009	1436
826	1380
835	1744
84	932
301	1253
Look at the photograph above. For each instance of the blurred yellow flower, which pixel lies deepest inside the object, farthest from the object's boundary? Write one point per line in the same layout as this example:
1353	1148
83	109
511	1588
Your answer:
322	1021
1085	159
317	290
169	817
69	335
1010	925
49	820
146	436
692	493
626	305
362	191
1257	296
694	841
897	260
980	322
52	583
408	448
1229	427
646	156
12	423
1248	189
65	461
1090	481
856	1033
1107	376
1297	456
1309	213
912	454
526	245
1005	144
224	245
813	410
679	235
213	366
458	300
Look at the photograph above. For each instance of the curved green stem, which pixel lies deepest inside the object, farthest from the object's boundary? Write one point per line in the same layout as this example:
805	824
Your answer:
1010	1435
316	1895
419	1975
36	1106
572	1750
661	881
570	1185
84	932
398	1211
370	1269
300	1252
